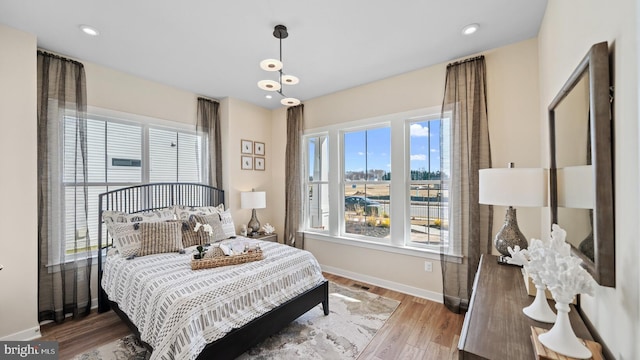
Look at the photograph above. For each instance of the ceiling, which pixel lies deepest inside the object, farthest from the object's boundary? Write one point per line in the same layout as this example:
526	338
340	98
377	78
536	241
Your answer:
213	48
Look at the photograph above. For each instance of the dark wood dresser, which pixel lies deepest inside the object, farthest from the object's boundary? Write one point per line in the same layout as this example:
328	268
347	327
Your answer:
495	326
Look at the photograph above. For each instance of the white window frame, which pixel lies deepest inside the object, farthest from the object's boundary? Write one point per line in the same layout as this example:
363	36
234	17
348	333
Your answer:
343	182
107	115
400	239
307	183
409	182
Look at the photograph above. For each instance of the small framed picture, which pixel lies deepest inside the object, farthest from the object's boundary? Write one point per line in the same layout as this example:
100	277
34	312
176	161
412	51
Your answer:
247	163
259	163
246	146
258	148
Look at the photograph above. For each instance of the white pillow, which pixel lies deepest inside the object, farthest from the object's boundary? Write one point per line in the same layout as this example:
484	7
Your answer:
185	212
227	224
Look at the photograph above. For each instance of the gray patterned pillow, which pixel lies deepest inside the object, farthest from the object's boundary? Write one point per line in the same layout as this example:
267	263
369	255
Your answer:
163	214
185	212
227	224
216	225
191	237
126	238
160	237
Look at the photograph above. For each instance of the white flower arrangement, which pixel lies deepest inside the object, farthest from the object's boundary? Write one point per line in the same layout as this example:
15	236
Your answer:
206	227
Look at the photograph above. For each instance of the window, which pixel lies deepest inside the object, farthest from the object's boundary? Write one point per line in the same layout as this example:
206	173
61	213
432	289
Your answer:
122	153
428	193
317	183
366	182
369	205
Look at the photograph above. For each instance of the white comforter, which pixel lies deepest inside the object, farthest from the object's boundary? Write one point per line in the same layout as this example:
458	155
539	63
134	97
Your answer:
178	310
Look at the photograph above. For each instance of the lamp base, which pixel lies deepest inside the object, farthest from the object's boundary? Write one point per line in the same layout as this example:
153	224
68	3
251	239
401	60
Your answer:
510	235
254	225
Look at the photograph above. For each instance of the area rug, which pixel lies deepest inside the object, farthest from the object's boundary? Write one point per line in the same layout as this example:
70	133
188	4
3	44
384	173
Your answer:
355	317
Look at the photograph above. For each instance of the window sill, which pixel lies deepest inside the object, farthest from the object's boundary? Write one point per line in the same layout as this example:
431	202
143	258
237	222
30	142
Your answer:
55	266
404	250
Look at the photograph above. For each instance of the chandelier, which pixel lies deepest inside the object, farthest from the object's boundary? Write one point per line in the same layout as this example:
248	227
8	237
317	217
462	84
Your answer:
280	32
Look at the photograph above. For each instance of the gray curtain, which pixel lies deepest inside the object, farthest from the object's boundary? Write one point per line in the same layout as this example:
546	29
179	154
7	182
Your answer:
208	126
64	258
465	103
293	167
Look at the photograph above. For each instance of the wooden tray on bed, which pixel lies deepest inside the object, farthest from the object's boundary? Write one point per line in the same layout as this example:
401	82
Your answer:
224	260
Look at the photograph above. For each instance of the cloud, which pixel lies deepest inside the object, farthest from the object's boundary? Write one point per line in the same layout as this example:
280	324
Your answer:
360	153
434	150
418	130
418	157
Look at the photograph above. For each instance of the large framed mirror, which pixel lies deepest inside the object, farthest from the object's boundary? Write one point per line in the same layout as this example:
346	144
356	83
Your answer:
580	174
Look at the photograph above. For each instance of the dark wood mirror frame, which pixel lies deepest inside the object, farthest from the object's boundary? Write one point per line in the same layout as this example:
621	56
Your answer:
596	65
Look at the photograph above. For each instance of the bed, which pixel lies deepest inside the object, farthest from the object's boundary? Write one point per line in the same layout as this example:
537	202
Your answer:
285	302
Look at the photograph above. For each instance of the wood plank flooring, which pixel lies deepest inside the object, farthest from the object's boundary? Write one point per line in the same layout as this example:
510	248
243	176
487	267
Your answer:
418	329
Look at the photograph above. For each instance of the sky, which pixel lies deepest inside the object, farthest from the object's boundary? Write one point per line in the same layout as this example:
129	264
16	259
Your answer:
371	149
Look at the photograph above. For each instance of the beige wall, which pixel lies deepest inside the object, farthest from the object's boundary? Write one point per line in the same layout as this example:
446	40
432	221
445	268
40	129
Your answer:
115	90
242	120
279	141
18	216
568	30
512	90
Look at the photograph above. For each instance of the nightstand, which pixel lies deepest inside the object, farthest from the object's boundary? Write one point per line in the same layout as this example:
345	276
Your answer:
265	237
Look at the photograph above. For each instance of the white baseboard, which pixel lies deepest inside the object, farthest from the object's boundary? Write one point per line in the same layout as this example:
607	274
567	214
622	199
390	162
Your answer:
34	332
391	285
24	335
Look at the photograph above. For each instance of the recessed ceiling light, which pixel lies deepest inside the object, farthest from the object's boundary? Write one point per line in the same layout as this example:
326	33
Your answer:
89	30
268	96
470	29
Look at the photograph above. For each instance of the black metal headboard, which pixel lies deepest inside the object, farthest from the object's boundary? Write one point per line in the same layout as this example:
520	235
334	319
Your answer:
145	197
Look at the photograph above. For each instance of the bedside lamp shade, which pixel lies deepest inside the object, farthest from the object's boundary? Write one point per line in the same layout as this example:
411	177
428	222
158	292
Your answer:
512	187
253	200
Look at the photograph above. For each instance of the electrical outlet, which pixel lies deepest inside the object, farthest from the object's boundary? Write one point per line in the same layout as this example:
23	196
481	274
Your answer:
428	266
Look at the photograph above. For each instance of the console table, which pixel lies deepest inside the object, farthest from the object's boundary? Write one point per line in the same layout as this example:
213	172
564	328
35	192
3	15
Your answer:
495	326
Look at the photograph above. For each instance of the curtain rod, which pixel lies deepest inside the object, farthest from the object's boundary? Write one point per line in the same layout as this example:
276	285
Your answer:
44	53
465	60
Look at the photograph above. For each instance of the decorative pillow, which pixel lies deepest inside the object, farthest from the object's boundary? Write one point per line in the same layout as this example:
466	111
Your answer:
227	224
126	238
191	237
163	214
184	212
213	220
160	237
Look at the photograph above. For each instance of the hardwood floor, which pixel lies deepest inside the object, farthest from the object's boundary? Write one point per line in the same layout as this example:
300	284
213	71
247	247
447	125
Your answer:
418	329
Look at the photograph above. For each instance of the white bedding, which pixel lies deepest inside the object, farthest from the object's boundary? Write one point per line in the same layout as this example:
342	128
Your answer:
178	310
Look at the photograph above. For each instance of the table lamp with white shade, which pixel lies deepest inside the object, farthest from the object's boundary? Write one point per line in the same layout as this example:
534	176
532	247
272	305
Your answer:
512	187
253	200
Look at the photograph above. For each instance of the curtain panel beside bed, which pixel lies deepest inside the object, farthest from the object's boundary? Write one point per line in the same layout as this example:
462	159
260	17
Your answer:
208	127
63	275
293	186
465	98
